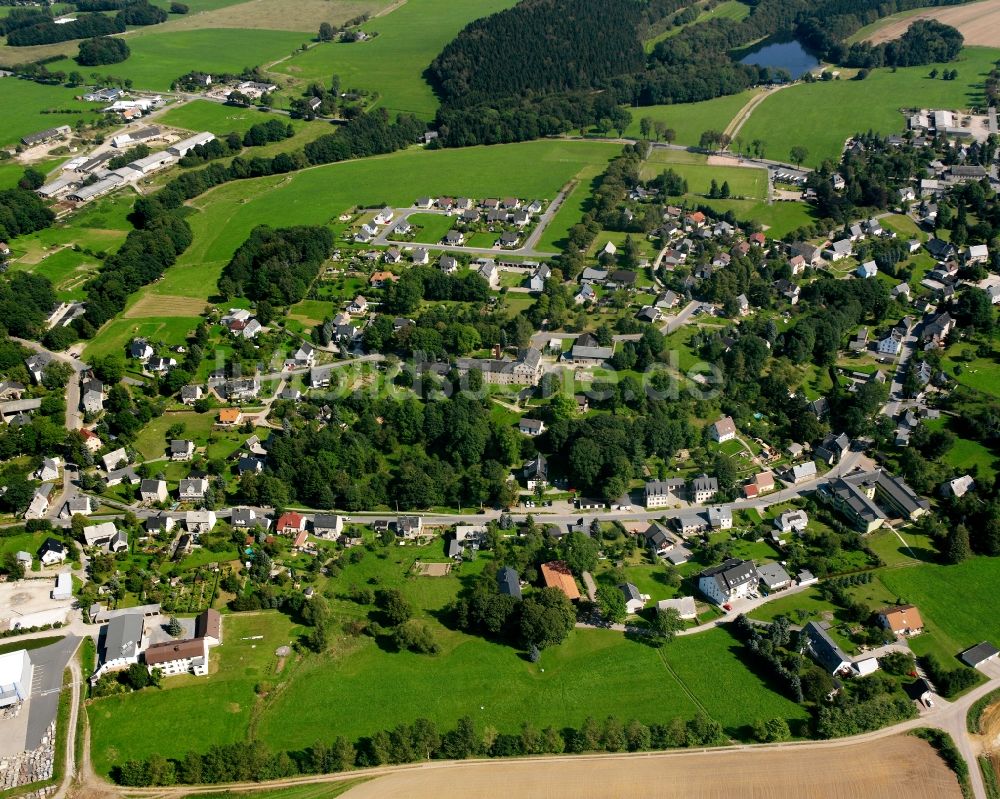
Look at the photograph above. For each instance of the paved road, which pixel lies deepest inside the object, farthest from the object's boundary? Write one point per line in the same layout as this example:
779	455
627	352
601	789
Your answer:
74	417
49	663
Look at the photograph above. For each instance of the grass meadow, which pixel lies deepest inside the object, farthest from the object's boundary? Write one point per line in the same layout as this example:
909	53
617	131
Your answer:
821	116
315	196
727	9
690	120
958	603
219	119
193	711
25	104
159	58
392	63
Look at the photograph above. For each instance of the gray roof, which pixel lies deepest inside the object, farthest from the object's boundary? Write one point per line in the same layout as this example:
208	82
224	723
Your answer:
731	573
975	655
123	636
508	582
772	574
824	648
630	592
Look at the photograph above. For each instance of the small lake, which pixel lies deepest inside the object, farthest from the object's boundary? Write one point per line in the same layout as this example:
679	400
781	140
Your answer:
788	55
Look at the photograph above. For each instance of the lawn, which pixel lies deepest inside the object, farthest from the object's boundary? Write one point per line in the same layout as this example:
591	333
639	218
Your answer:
221	703
572	209
26	103
823	115
316	196
958	603
152	442
67	269
743	181
220	119
113	337
392	63
160	57
690	120
431	228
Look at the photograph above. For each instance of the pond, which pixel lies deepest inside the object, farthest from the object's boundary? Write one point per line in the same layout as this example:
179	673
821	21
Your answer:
787	54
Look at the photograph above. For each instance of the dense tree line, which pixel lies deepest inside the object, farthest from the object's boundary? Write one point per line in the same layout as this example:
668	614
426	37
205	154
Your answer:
926	41
141	13
102	50
265	132
148	250
409	743
26	300
22	212
24	17
277	265
539	47
83	27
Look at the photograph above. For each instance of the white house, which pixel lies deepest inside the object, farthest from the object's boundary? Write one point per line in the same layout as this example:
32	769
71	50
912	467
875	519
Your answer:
124	640
723	430
16	673
99	534
199	521
153	491
732	579
531	427
179	657
803	472
792	520
192	488
867	270
685	606
328	525
634	601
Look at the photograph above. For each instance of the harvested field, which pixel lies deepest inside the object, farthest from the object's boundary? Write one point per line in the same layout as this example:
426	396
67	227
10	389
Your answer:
979	23
279	15
891	768
164	305
432	569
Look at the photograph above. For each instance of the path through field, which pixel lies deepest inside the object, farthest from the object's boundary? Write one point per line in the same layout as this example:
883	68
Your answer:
892	768
979	23
733	128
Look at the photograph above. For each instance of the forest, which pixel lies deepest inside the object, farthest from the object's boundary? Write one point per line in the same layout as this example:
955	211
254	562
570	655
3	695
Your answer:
926	41
277	265
102	50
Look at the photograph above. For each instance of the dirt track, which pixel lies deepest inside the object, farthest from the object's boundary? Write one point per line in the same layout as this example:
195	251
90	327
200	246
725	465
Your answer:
901	767
979	23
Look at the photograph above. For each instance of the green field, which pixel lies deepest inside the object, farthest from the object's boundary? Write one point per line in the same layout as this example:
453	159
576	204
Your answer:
594	673
152	442
25	103
220	119
117	333
959	603
743	181
315	196
821	116
160	57
690	120
196	711
727	9
392	64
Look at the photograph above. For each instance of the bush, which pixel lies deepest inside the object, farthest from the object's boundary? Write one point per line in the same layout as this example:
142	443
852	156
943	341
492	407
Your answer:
178	8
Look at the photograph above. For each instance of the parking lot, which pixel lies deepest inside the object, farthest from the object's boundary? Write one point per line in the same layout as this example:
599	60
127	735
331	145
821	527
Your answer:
27	603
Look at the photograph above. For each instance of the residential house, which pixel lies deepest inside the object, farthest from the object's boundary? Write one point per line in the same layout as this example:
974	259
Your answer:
140	349
199	521
664	493
556	574
958	487
838	250
937	329
36	366
854	496
824	650
114	460
867	270
792	521
901	620
976	655
192	489
358	306
833	448
153	491
290	523
162	522
448	264
634	601
179	657
531	427
124	640
743	305
537	280
891	343
49	470
536	473
685	607
490	272
409	526
773	577
181	449
803	472
509	582
52	552
730	580
723	430
703	489
327	525
230	417
40	501
720	517
96	535
977	254
80	505
420	256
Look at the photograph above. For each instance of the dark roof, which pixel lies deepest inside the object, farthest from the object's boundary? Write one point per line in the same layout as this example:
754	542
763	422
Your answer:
508	582
208	625
824	648
51	545
975	655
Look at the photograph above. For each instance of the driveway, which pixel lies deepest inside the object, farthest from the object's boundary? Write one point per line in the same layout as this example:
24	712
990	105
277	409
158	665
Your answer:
49	663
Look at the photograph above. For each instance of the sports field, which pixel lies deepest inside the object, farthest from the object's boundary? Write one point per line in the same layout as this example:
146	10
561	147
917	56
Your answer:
158	58
821	116
901	766
690	120
26	105
392	63
979	23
